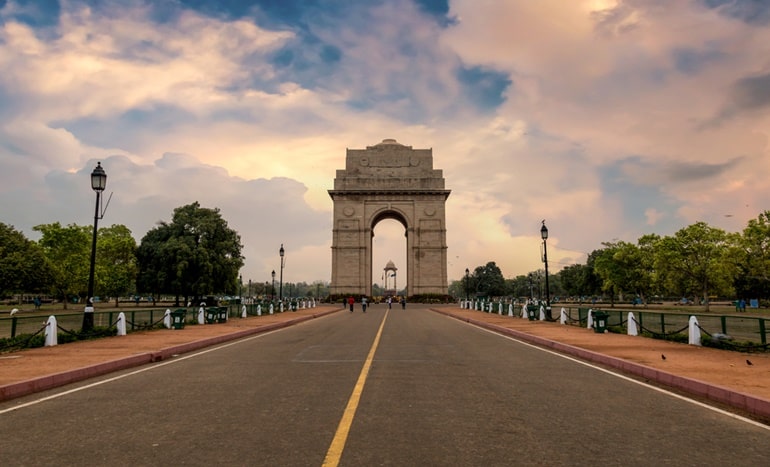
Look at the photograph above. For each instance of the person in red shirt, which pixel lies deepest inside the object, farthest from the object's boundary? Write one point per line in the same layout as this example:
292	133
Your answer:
351	301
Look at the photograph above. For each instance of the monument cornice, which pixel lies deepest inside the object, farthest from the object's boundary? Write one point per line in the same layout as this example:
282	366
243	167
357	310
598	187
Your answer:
444	193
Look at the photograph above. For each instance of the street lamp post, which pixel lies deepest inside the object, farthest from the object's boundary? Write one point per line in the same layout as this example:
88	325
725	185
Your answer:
466	283
272	288
98	183
240	288
544	236
280	293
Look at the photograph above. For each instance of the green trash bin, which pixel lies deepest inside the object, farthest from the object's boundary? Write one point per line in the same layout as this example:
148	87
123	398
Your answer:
178	317
222	314
532	312
211	314
600	321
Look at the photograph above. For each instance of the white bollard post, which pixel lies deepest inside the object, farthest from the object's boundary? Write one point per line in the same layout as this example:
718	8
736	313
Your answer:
51	332
542	313
201	319
633	329
563	316
500	308
271	308
167	319
510	310
281	310
524	311
694	331
243	311
259	310
590	318
121	324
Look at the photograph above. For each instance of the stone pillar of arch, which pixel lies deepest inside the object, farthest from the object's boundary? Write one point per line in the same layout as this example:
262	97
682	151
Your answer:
389	181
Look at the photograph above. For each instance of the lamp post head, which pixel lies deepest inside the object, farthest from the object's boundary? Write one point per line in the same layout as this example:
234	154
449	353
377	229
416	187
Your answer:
273	274
98	178
544	231
467	271
280	252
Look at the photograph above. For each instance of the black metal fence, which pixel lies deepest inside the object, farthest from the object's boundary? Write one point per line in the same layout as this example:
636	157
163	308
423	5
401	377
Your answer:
750	329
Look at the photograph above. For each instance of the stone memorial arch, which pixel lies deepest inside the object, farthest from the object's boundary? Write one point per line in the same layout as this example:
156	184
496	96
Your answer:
389	181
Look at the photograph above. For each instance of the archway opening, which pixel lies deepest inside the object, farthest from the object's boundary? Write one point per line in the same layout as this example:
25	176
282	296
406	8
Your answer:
389	258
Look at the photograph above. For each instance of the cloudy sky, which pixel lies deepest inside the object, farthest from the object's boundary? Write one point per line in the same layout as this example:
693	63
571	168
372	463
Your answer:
609	119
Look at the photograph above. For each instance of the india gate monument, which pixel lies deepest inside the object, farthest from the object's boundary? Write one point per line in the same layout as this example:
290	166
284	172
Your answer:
389	181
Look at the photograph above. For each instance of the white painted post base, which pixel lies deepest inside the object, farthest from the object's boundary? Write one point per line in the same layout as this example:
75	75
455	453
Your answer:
694	331
51	332
633	329
121	324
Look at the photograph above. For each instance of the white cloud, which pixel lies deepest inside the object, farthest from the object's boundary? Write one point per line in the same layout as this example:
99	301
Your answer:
193	109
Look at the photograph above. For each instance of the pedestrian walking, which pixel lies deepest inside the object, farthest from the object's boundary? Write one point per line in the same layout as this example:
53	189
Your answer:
390	302
363	304
403	303
351	301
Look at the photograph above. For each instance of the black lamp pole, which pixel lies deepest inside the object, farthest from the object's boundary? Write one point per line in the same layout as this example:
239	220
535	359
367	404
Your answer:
466	283
544	236
280	293
98	183
272	288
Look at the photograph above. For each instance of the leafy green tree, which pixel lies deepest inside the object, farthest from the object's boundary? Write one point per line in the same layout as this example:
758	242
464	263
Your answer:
194	255
609	269
635	266
68	252
750	253
573	279
693	261
23	266
488	280
115	262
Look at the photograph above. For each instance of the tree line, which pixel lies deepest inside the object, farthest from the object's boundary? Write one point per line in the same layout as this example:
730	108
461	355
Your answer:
697	262
194	255
197	254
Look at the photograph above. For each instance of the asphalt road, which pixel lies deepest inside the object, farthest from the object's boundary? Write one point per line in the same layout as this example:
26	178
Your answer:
435	391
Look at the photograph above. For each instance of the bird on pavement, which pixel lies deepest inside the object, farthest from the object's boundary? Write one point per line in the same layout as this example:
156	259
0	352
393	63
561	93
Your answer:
662	357
14	311
748	362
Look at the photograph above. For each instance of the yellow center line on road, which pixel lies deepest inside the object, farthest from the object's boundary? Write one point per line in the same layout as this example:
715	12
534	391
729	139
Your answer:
334	453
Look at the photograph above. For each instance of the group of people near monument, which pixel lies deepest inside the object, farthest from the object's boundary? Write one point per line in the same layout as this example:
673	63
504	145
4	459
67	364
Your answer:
365	302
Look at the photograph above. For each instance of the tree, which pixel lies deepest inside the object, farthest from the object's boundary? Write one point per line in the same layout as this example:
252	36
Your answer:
750	254
488	280
609	269
195	255
23	266
68	252
115	261
693	261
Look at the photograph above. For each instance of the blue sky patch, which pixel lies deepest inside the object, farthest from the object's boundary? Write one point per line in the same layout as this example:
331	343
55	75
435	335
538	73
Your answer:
483	86
755	12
